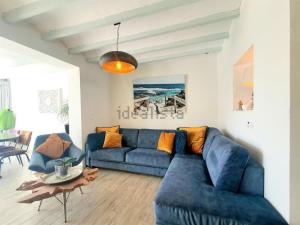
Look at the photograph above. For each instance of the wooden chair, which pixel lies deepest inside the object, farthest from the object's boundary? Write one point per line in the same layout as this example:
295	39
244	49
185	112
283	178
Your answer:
20	148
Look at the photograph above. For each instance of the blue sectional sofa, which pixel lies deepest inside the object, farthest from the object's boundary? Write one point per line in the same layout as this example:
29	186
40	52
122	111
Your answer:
224	186
138	154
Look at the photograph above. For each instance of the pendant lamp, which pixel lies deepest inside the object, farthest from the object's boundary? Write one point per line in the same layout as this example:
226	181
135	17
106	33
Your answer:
118	62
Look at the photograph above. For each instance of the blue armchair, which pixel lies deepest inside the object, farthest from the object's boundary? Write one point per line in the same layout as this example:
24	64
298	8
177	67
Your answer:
43	164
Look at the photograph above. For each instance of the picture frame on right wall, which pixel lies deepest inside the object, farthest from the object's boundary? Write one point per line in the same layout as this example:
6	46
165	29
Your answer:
243	82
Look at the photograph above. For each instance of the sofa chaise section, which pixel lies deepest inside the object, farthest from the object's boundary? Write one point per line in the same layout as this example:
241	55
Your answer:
195	191
188	197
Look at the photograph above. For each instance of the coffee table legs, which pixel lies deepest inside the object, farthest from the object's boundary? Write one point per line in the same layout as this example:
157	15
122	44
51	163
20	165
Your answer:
40	205
65	205
63	202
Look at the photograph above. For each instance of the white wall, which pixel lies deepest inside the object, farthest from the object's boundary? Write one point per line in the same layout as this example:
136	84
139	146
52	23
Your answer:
295	112
201	92
25	84
94	84
264	24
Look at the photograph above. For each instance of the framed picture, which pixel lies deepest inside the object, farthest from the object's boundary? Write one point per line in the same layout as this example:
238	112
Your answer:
50	100
159	95
243	82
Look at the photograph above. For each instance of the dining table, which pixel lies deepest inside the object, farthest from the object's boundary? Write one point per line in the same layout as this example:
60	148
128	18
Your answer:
4	137
8	137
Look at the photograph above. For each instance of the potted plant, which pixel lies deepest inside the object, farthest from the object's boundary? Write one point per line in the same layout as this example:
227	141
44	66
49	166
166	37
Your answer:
62	166
63	116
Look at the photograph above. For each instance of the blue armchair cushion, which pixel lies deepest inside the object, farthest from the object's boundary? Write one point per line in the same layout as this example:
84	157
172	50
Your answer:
187	196
95	141
50	165
226	162
148	157
210	135
76	153
110	154
148	138
130	137
37	162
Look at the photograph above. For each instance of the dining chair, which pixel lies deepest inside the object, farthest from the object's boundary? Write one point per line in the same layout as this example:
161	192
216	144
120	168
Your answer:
19	148
3	150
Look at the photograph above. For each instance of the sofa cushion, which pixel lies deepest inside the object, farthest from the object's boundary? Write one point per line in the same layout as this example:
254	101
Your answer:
166	142
195	138
42	138
53	147
187	196
110	154
210	135
112	140
148	138
253	179
114	129
226	162
95	141
180	142
130	137
148	157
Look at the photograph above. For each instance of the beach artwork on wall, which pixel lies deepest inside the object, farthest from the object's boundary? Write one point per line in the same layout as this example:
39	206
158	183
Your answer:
159	95
243	82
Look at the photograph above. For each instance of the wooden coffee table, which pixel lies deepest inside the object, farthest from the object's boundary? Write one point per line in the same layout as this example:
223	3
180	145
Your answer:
41	190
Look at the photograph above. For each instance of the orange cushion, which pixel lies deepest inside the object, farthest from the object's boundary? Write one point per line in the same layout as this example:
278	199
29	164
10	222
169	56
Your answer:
195	138
54	147
112	140
114	129
166	142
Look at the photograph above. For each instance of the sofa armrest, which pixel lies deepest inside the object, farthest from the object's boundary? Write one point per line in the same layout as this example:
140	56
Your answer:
87	154
37	162
76	153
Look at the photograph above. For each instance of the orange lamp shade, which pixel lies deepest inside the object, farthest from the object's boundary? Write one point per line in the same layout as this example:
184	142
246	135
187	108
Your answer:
117	62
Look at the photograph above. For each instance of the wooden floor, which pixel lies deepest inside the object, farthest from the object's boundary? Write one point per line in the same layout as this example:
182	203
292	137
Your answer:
115	198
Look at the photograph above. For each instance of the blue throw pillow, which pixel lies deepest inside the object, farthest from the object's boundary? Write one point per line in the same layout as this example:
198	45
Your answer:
180	142
95	141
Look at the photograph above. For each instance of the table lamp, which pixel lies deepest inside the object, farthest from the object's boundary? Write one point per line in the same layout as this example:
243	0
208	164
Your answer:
7	119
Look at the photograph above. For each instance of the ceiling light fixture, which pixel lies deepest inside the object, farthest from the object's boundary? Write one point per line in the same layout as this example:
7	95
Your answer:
118	62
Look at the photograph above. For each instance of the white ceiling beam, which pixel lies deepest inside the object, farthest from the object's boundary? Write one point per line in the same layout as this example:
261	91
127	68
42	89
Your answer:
155	32
177	44
122	16
174	56
33	9
180	55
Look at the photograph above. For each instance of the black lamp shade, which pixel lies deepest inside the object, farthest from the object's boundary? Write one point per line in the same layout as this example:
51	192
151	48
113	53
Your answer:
118	62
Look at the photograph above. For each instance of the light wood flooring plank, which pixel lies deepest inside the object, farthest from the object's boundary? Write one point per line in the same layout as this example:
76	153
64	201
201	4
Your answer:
114	198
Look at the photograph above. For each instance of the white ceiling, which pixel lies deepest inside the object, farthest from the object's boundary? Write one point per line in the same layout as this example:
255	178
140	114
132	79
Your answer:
151	29
11	59
18	59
